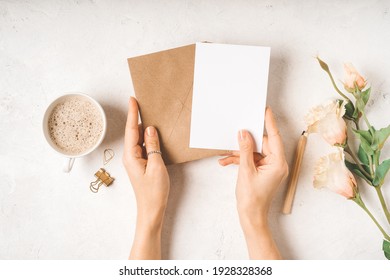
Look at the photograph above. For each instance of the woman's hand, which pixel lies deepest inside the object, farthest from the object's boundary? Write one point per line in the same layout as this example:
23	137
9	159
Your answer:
150	181
258	180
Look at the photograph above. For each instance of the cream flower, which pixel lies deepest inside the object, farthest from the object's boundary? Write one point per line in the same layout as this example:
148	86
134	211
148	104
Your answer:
331	172
328	120
353	77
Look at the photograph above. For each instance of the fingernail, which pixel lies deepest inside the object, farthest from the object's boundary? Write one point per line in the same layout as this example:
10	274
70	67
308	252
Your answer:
151	131
243	134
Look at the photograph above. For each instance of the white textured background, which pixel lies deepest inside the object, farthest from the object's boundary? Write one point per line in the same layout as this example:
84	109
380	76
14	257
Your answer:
51	47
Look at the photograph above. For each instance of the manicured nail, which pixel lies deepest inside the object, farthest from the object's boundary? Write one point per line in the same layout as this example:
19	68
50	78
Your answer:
243	134
151	131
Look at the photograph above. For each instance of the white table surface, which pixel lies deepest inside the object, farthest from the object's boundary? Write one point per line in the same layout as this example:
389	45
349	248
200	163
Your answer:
51	47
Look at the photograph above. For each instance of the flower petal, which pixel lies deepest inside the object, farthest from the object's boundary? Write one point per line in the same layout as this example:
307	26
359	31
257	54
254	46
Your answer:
331	172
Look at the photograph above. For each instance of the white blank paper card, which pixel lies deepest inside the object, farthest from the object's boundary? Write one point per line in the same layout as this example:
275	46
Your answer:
229	94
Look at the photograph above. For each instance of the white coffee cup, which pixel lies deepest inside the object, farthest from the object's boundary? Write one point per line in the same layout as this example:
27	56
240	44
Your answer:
70	158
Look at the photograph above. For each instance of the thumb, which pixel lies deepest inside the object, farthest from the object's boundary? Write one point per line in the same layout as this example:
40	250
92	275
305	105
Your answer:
245	142
152	145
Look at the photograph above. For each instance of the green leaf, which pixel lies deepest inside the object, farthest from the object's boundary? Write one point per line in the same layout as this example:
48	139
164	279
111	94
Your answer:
365	141
380	137
355	169
366	95
363	156
367	168
351	113
365	134
381	172
366	147
360	104
386	248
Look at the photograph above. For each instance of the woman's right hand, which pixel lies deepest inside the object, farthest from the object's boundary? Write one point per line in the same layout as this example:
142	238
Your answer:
258	180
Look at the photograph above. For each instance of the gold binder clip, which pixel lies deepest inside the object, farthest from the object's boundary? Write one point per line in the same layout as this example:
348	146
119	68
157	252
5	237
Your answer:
102	178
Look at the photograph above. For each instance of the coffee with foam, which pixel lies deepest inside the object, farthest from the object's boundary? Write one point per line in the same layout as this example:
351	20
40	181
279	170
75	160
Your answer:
75	125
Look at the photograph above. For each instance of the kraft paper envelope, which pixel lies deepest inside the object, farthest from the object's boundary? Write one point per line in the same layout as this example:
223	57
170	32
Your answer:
163	87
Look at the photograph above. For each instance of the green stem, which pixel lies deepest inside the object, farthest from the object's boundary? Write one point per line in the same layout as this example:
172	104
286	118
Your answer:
371	165
366	120
325	67
357	124
376	158
360	202
383	203
356	160
336	88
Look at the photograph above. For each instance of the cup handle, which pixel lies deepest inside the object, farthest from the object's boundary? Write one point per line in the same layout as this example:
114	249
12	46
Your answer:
68	164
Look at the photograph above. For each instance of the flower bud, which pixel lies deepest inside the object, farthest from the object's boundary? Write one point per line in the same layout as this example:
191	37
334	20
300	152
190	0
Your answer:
353	79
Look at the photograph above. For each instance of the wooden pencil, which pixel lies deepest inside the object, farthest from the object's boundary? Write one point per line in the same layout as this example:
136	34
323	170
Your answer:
292	185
